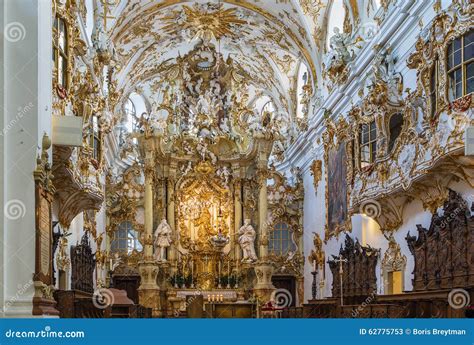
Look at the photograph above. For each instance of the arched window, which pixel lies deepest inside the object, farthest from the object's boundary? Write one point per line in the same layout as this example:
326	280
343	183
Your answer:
60	52
125	239
337	15
94	138
368	144
281	242
130	115
395	127
461	66
134	108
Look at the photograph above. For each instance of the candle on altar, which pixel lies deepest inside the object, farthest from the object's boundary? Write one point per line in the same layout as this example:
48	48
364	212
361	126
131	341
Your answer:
314	265
237	274
176	275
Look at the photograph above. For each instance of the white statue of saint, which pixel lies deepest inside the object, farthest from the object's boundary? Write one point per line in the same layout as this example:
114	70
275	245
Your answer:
116	261
247	236
162	240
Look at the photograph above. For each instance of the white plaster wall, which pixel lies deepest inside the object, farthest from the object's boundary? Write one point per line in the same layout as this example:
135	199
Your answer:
400	31
25	116
313	209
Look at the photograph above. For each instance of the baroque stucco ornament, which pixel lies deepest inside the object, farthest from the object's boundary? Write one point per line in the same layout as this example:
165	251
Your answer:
425	157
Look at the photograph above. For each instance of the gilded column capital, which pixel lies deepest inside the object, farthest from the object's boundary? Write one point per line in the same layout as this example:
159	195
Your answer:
171	181
262	176
149	166
149	173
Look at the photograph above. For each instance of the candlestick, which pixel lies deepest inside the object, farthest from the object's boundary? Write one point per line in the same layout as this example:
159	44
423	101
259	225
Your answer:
192	274
313	285
176	276
219	286
228	274
237	275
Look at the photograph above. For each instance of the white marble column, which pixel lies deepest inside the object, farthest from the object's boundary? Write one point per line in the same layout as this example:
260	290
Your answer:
25	114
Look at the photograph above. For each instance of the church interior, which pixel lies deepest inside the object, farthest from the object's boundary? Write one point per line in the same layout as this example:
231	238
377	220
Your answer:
237	159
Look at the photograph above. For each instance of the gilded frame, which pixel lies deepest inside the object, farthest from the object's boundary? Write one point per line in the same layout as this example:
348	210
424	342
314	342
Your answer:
337	134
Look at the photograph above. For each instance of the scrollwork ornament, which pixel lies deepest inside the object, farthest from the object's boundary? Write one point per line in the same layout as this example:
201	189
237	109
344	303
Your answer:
316	172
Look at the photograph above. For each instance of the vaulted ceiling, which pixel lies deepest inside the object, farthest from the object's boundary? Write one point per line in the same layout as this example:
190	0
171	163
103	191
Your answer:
267	38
